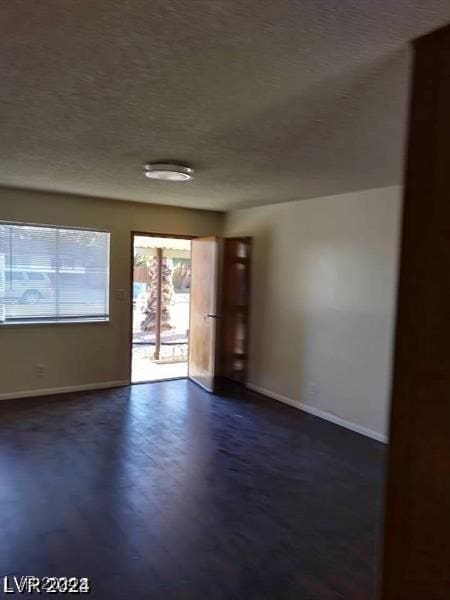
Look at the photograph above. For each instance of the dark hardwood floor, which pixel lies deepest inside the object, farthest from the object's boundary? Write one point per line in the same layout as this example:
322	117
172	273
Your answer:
164	491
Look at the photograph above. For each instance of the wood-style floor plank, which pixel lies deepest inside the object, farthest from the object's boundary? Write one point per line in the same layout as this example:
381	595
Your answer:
165	491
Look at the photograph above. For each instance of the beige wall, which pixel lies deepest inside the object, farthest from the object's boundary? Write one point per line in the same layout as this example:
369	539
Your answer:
323	301
83	354
323	295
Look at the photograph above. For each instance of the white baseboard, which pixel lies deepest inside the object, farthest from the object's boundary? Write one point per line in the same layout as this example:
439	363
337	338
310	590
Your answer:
63	390
320	413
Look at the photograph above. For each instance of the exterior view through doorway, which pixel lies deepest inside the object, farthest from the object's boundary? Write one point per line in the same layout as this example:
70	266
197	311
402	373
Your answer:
161	284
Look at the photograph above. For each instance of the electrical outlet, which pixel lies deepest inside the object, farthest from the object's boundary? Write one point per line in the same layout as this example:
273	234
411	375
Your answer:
40	370
313	390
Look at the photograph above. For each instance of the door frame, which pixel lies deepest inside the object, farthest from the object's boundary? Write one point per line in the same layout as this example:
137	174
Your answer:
416	541
133	234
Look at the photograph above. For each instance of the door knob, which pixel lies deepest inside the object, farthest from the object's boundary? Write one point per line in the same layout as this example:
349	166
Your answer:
210	316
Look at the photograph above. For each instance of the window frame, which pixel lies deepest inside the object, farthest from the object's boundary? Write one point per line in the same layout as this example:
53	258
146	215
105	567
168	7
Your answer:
64	320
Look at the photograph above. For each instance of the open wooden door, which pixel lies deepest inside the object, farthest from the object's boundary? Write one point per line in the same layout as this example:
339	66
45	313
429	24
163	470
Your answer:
203	321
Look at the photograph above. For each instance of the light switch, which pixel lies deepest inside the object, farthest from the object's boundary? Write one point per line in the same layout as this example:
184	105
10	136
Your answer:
120	295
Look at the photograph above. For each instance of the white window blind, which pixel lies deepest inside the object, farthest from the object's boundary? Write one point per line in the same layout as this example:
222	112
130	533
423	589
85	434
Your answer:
53	274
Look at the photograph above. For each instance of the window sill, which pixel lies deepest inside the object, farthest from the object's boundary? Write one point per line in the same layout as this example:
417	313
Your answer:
39	322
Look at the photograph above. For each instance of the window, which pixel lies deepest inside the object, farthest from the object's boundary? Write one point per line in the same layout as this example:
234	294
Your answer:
52	274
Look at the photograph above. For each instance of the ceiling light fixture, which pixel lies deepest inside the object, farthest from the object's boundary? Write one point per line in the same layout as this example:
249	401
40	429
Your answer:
168	172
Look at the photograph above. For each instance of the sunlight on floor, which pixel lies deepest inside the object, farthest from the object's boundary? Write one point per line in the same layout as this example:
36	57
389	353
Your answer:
145	369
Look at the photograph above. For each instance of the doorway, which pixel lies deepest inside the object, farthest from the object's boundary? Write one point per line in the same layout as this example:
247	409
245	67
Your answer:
161	290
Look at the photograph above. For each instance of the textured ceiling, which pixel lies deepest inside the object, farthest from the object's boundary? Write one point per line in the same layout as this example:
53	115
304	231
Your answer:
269	100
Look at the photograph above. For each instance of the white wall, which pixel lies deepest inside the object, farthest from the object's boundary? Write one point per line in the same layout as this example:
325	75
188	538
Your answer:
85	354
323	302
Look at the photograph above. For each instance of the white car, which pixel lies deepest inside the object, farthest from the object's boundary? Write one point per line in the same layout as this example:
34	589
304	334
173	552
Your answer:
141	302
27	286
139	296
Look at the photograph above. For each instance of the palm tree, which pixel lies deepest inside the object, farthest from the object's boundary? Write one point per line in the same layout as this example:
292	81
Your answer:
149	323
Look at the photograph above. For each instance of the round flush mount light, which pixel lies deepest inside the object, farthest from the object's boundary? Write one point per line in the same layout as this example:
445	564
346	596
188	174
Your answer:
168	172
